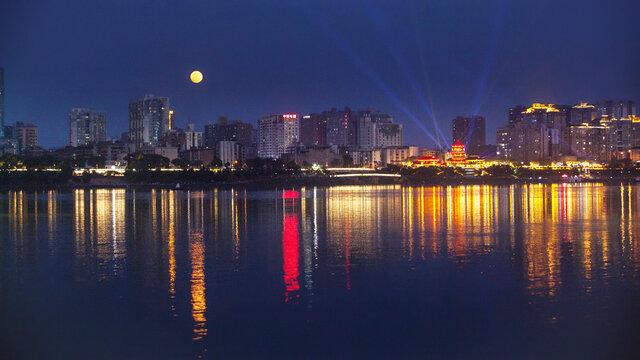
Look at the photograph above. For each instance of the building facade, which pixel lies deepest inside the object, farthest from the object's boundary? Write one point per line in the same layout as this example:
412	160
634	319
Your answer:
341	127
366	158
535	134
9	146
313	130
583	113
470	131
387	135
170	153
148	120
86	126
376	130
616	109
623	133
224	130
398	154
199	156
229	152
590	142
593	132
192	138
276	134
26	135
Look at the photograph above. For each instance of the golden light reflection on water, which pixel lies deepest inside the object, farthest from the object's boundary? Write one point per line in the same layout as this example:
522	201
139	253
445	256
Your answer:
551	224
99	234
169	216
357	214
197	252
234	227
52	220
551	233
79	216
110	228
17	215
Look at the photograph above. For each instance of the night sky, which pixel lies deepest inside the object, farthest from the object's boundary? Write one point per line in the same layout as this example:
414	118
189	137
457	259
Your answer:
417	60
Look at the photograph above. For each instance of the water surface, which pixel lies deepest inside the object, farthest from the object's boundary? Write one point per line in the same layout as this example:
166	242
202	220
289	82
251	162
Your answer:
527	271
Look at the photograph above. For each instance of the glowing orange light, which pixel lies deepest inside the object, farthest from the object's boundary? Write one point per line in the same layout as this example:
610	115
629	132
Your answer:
428	160
458	153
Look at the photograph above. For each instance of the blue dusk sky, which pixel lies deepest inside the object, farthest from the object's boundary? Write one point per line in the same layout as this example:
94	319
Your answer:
424	62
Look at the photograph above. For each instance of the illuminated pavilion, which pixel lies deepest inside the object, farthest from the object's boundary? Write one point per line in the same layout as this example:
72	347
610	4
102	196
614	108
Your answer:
458	154
427	160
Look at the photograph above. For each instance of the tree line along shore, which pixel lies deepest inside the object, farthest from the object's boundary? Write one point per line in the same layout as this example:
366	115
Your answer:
151	171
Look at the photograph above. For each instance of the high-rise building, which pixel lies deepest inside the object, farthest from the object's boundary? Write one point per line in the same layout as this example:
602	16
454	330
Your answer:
86	126
148	120
504	139
591	132
582	113
590	142
277	134
537	133
8	131
547	115
623	133
173	138
514	113
616	109
26	134
229	152
386	135
469	131
192	138
525	142
376	130
224	130
398	154
313	129
342	127
1	102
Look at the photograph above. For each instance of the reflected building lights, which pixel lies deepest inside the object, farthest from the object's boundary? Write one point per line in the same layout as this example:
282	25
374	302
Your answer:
171	244
79	221
234	228
290	246
309	237
99	235
315	224
347	264
52	220
197	253
546	230
110	244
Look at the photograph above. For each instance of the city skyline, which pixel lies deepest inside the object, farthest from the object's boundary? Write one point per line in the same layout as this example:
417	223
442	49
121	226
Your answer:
595	110
299	57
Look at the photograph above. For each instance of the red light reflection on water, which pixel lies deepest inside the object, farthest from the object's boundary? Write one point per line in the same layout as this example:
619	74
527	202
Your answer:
290	246
290	194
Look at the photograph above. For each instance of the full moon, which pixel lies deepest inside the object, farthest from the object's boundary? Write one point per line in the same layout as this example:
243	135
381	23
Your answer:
196	77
